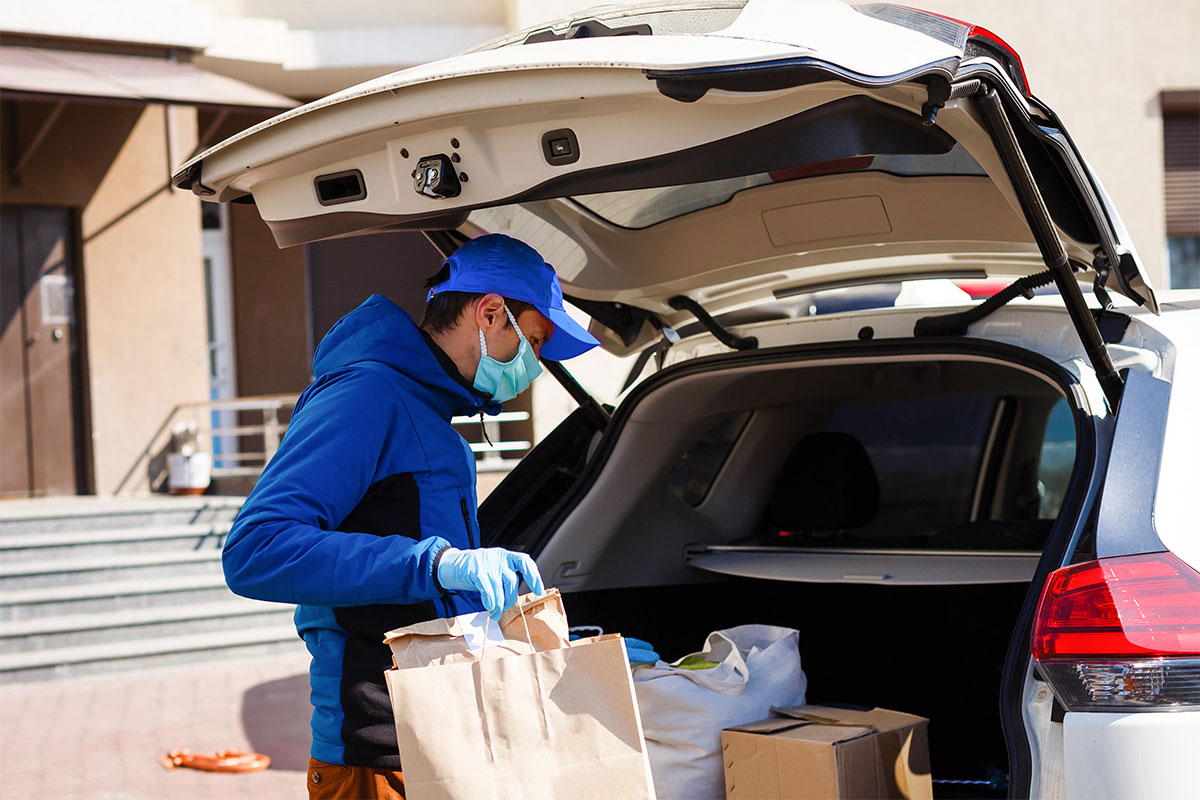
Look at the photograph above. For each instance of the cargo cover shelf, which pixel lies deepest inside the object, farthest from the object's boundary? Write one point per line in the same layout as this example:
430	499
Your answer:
879	566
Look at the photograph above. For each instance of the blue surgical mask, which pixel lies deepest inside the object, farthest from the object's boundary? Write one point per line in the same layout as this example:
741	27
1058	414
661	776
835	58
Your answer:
505	381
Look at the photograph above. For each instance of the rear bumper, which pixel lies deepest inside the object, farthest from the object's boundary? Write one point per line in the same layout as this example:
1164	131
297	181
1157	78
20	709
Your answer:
1128	756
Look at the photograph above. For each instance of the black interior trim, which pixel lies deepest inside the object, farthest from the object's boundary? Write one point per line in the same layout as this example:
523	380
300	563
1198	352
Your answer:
624	320
988	474
586	29
340	187
688	86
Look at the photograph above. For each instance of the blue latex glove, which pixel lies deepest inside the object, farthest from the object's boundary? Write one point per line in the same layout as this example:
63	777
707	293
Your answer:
640	652
492	571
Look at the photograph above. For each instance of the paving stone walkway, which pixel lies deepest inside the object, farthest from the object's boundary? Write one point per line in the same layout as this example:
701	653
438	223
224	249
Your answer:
100	737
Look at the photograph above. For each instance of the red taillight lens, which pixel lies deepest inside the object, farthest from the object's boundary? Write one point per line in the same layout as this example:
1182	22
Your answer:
1131	605
986	37
1121	632
951	31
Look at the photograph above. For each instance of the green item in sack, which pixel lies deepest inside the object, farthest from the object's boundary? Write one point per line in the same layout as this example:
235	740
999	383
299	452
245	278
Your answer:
694	661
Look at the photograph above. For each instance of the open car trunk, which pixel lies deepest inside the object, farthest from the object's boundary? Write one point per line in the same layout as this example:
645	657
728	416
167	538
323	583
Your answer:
934	651
904	559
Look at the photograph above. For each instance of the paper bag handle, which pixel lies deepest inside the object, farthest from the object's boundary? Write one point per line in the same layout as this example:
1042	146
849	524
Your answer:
487	623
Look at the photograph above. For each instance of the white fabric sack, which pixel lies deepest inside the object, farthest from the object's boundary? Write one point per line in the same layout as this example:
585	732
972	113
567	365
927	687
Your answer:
683	711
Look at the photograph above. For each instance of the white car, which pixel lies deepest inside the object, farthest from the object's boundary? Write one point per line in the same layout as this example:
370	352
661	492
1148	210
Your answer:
983	513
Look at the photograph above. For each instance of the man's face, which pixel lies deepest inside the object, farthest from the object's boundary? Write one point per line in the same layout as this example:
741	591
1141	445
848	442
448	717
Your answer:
502	340
537	330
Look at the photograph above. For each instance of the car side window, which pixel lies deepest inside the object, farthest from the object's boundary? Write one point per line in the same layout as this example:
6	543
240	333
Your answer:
695	471
1057	459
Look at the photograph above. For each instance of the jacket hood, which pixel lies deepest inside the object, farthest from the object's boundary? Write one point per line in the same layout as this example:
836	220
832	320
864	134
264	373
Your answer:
380	331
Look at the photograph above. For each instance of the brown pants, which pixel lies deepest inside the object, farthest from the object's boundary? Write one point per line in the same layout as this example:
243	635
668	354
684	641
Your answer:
342	782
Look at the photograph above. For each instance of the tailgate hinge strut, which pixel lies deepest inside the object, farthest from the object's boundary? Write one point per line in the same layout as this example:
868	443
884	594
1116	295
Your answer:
596	414
1051	246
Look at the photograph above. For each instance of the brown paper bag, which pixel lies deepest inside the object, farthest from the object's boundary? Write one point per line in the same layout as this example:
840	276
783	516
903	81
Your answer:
528	714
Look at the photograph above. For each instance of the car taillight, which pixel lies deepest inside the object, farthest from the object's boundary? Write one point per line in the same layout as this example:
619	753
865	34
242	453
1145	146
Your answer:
973	40
1121	633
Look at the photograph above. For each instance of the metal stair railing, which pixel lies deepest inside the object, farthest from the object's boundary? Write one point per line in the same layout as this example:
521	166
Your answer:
492	455
227	442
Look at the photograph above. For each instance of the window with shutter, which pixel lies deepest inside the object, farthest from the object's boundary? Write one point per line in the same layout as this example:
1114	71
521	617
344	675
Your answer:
1181	156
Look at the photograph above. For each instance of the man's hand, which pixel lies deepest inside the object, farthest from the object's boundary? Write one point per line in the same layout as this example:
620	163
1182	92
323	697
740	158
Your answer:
639	651
492	571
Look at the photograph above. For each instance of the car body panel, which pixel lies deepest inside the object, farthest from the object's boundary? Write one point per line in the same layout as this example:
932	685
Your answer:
1130	756
1174	503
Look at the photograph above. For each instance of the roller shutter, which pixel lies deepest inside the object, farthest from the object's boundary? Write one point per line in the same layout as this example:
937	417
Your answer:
1181	149
1181	185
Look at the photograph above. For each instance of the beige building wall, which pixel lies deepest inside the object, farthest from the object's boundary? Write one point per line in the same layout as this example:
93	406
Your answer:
1101	64
147	340
144	328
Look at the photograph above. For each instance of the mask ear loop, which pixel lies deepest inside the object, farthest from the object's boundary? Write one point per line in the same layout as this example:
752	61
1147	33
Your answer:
513	320
482	355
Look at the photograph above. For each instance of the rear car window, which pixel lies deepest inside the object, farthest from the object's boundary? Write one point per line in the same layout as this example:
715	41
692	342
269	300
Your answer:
641	208
927	453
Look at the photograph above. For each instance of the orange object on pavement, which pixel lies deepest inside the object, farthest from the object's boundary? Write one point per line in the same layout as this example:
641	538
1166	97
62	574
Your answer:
221	761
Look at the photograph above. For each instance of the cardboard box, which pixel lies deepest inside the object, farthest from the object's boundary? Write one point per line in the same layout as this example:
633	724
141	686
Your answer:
818	752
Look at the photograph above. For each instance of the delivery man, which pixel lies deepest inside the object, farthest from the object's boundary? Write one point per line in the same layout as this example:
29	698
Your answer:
365	517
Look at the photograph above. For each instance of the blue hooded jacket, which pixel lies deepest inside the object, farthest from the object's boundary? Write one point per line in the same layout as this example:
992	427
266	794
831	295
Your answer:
369	485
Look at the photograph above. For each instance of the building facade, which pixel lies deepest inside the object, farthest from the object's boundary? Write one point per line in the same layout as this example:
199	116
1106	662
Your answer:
102	294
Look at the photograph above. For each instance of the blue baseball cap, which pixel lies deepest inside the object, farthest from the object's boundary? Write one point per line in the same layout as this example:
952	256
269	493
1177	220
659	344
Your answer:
512	269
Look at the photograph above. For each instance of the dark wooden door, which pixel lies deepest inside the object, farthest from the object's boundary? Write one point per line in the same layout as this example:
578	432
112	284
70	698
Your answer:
38	414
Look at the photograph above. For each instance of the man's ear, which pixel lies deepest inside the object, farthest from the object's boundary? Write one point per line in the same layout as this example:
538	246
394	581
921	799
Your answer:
489	312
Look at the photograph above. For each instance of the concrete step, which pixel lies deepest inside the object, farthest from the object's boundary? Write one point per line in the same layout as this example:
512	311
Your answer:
82	630
122	566
162	651
44	515
112	596
21	547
